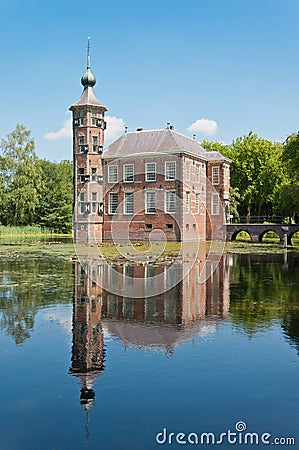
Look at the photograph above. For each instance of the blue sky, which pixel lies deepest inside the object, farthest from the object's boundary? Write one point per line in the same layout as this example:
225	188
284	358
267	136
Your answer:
233	63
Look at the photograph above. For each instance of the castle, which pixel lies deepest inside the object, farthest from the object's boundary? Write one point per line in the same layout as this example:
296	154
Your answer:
154	182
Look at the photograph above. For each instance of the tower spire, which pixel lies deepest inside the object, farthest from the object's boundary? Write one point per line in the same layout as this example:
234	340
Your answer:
88	52
88	78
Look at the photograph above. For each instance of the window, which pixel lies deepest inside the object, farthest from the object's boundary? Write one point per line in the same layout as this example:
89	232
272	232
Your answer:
81	117
187	202
170	170
128	173
150	272
169	226
215	204
128	272
112	174
94	207
128	203
113	202
82	196
94	116
94	196
81	171
170	201
188	171
150	172
148	226
82	207
150	202
82	146
197	203
215	175
95	144
94	173
197	174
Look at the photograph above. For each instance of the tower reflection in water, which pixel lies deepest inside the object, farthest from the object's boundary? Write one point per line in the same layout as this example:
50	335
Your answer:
194	306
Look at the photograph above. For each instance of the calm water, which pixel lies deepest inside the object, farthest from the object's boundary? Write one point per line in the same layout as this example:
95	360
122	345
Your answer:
84	368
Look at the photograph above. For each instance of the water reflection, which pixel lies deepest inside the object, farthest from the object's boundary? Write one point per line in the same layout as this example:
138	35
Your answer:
156	322
26	285
88	337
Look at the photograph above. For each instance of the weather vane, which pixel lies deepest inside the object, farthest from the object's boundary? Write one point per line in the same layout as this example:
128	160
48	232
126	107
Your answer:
88	51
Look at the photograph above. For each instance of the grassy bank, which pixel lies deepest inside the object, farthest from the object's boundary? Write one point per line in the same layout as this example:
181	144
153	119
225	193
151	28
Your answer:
63	248
26	231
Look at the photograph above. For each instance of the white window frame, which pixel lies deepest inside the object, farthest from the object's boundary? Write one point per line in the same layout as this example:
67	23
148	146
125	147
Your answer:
215	204
112	174
125	175
188	171
167	171
215	175
128	195
170	205
147	172
110	203
147	205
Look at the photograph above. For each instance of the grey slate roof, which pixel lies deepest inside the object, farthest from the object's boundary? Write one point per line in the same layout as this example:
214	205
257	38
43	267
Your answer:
88	98
216	156
154	141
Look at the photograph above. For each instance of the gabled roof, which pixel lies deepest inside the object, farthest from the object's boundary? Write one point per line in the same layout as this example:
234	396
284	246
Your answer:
88	98
154	141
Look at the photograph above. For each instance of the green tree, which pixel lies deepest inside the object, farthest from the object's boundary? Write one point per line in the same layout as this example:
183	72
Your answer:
289	191
21	178
290	155
55	206
257	174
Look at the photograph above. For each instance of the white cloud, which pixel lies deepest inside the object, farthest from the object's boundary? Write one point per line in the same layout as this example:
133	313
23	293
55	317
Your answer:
64	132
204	126
64	318
115	127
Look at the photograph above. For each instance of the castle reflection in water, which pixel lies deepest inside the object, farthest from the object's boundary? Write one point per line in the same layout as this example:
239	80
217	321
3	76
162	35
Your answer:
195	305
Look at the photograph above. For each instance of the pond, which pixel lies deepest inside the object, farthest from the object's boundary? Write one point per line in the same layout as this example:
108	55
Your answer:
90	359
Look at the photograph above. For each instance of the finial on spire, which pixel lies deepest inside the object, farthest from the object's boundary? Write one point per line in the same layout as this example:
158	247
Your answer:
88	78
88	52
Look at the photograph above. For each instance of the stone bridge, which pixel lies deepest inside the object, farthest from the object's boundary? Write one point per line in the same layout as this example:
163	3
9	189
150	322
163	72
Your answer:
257	231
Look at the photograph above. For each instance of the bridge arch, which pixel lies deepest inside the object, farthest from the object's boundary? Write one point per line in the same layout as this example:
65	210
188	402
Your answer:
291	234
240	230
275	231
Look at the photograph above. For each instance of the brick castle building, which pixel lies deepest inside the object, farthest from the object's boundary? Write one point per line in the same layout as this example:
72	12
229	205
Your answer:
146	181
